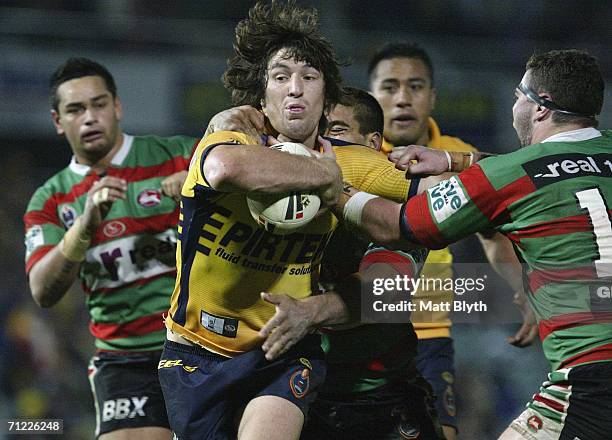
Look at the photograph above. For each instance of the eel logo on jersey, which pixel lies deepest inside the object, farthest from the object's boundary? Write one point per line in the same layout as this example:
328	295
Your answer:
68	215
446	198
300	382
149	198
534	423
114	229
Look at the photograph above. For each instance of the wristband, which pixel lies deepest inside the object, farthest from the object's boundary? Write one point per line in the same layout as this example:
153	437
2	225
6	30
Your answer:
74	246
100	196
459	161
354	207
448	158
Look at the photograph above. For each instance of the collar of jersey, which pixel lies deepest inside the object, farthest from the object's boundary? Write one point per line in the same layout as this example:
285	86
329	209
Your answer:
582	134
117	159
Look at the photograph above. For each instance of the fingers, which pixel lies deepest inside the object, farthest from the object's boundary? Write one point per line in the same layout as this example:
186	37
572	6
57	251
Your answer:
101	196
278	343
271	140
172	185
524	337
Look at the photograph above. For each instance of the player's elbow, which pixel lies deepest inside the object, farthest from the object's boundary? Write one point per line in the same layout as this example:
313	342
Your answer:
44	295
221	169
41	297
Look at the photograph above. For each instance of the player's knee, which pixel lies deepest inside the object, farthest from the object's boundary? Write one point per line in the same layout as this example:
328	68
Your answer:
271	418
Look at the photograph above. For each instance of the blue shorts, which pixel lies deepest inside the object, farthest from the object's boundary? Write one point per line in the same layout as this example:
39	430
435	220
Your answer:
204	392
435	361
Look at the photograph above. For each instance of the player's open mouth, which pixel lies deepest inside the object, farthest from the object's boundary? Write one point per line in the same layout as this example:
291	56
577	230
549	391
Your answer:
92	136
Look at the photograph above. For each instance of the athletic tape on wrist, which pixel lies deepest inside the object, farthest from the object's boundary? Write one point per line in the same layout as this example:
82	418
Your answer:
100	196
74	245
448	158
354	207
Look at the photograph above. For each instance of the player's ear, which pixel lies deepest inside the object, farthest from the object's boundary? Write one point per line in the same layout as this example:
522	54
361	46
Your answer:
541	112
375	140
56	121
118	108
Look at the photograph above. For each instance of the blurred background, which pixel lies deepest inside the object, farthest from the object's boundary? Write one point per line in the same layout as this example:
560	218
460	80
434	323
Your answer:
167	58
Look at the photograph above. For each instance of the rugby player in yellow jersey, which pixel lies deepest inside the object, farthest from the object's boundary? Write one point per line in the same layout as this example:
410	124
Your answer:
402	80
213	371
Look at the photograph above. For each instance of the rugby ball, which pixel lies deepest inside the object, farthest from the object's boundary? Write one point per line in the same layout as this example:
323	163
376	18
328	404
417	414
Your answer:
283	213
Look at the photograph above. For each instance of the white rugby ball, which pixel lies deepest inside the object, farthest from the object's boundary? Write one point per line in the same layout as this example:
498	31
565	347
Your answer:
283	213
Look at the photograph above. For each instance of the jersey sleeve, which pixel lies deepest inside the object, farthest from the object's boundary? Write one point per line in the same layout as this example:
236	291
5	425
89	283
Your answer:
453	209
43	230
369	170
404	262
195	178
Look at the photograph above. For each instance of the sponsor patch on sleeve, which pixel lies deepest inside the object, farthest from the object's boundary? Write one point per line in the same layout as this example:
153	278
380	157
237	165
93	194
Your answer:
446	198
33	239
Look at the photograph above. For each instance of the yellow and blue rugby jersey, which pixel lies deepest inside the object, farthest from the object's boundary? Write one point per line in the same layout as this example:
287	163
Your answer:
224	259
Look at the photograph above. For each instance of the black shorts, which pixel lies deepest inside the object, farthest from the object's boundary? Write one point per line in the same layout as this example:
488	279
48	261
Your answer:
204	392
126	391
436	362
573	404
396	411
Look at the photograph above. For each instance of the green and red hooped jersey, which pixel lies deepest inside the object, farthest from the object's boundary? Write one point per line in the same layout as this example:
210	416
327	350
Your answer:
554	201
129	271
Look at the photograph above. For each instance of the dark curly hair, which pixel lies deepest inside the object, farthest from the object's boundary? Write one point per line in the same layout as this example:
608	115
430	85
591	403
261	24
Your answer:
269	28
574	81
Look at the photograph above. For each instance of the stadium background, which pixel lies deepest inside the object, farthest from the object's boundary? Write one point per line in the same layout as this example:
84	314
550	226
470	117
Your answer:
167	58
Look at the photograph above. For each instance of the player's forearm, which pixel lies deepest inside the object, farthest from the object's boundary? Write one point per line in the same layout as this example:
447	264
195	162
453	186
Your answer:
254	168
51	278
377	219
501	255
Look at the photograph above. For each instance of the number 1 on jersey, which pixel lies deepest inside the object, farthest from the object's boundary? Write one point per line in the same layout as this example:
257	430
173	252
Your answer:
593	202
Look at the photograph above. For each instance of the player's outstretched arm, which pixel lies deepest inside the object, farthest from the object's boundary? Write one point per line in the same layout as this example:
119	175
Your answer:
51	277
417	160
252	168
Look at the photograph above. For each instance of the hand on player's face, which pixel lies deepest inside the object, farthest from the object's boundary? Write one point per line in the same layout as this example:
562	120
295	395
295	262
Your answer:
244	119
102	194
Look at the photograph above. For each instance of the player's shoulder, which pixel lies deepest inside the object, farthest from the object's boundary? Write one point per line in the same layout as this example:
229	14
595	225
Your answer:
344	149
445	141
173	143
59	183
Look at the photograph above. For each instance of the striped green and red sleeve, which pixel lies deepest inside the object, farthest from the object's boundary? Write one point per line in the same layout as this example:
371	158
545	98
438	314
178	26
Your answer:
464	204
